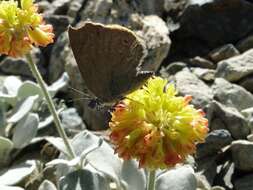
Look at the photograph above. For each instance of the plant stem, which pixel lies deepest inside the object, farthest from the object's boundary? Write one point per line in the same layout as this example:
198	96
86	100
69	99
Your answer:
42	84
151	180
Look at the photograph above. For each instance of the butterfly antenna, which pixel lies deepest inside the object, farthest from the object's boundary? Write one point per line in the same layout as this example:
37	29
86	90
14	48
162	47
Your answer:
79	91
78	99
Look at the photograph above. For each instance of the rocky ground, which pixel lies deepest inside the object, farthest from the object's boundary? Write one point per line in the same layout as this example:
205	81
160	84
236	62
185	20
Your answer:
204	46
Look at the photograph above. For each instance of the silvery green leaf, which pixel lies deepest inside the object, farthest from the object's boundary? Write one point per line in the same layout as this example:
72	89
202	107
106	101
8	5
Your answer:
134	178
103	158
11	85
58	143
22	109
77	159
47	185
48	120
25	130
180	178
83	180
9	99
3	187
69	163
16	173
2	116
29	88
5	148
59	84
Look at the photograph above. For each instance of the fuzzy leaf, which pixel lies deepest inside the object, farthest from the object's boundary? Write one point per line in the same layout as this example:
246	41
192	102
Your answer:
29	88
59	84
23	109
11	85
83	180
3	187
47	185
15	174
134	178
25	130
5	148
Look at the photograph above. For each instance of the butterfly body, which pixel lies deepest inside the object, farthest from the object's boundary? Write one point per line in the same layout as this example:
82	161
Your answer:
109	59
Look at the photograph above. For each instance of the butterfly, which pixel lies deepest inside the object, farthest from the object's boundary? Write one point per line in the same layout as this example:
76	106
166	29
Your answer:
109	58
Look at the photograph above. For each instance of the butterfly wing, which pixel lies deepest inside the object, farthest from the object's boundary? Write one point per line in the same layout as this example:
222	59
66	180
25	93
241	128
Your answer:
109	58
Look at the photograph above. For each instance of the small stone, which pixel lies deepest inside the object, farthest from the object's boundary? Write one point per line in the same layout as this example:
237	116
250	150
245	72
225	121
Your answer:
59	22
236	68
60	56
202	63
156	37
245	44
247	83
189	84
214	142
231	94
71	121
202	182
231	118
250	137
242	155
19	66
207	168
172	69
224	52
207	75
184	179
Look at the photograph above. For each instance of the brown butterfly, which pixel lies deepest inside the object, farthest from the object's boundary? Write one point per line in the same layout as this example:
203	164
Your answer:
109	58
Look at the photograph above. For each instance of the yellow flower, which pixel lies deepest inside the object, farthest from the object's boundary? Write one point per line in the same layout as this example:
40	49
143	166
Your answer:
157	127
21	27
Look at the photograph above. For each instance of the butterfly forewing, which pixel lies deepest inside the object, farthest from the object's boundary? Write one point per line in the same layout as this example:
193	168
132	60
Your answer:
109	58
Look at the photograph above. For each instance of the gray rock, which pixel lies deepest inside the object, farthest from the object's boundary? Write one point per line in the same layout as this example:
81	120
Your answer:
242	155
207	75
245	44
230	118
19	66
156	36
58	7
97	11
188	84
60	56
59	22
236	68
248	114
224	52
207	168
247	83
244	183
209	26
172	69
74	8
184	179
202	182
231	94
71	121
201	62
214	142
107	11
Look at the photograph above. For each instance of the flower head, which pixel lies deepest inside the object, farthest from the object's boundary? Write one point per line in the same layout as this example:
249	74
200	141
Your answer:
157	127
21	27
